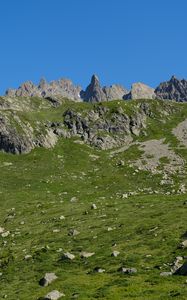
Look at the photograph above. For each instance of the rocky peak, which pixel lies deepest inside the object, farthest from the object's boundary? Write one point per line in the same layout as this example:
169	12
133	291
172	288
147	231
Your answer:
96	93
140	91
174	89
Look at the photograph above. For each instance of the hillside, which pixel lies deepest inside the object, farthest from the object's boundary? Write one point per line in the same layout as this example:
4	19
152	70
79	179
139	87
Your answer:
105	182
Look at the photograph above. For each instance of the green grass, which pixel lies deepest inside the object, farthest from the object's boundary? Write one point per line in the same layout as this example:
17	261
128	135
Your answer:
37	188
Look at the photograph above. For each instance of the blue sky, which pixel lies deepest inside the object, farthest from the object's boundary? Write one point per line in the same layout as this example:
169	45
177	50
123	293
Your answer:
123	41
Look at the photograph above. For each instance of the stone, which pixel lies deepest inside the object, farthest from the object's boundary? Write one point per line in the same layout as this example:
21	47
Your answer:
73	232
182	270
27	257
140	91
115	253
128	270
5	234
54	295
165	274
84	254
184	244
68	255
177	264
99	270
93	206
47	279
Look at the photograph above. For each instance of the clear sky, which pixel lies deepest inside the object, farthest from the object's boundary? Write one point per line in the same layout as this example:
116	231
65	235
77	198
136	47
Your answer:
122	41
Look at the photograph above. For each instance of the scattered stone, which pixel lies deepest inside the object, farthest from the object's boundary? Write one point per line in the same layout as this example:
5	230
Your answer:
177	264
28	256
73	232
184	244
69	256
115	253
128	270
165	274
84	254
99	270
93	206
54	295
124	196
182	270
73	199
48	279
56	230
5	234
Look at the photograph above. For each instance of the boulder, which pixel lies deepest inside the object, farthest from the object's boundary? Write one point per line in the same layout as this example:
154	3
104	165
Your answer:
47	279
69	256
182	270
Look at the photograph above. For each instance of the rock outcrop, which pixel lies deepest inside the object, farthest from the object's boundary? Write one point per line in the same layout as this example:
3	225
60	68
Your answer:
18	137
140	91
102	128
174	89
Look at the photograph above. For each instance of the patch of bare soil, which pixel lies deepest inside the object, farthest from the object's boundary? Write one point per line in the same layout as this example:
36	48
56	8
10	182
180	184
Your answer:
157	154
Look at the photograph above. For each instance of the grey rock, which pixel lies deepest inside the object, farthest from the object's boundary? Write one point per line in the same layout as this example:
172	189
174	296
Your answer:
47	279
99	270
128	270
85	254
140	91
68	255
181	270
165	274
184	244
54	295
174	89
73	232
115	253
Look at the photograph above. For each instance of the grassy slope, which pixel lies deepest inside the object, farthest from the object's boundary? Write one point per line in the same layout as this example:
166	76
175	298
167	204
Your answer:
40	185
